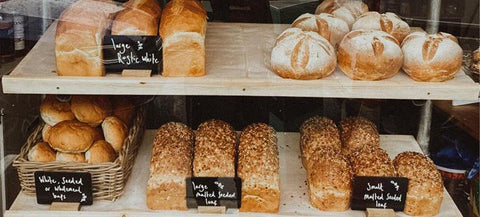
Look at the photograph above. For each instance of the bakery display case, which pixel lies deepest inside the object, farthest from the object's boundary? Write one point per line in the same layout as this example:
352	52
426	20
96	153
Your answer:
379	54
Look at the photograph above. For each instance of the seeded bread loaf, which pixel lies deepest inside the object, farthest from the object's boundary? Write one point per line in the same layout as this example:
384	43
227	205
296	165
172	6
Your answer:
372	161
358	132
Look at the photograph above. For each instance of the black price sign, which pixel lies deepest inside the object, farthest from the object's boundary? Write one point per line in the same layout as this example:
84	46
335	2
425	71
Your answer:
132	52
63	187
379	192
214	191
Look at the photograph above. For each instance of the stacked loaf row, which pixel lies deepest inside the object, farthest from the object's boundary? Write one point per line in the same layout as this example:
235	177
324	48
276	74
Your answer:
332	159
366	45
80	32
84	129
179	153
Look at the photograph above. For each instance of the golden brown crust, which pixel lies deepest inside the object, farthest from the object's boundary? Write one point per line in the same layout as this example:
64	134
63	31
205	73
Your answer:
91	109
215	145
70	157
167	196
123	109
372	161
41	152
387	22
183	16
71	136
327	6
100	152
53	111
115	132
46	132
140	17
358	132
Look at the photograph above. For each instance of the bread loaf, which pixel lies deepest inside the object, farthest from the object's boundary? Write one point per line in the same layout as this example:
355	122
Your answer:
70	157
369	55
72	136
53	111
41	152
431	57
182	28
171	164
101	151
330	183
372	161
358	132
328	26
387	22
344	14
140	17
258	167
123	109
215	145
350	11
79	36
317	132
91	109
425	185
115	132
302	55
328	6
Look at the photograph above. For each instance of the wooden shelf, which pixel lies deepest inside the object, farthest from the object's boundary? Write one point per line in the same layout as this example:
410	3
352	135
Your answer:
294	200
238	57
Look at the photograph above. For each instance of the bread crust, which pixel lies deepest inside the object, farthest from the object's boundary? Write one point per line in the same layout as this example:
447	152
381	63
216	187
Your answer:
140	17
46	132
101	151
326	25
358	132
41	152
71	136
115	132
91	109
372	161
387	22
53	111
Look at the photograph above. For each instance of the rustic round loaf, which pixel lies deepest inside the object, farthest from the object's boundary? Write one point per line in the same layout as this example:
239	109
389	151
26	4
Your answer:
431	57
328	6
328	26
387	22
369	55
302	55
72	136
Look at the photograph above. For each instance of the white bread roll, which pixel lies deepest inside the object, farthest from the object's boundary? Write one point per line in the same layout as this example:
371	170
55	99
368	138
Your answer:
79	36
101	151
328	26
115	132
170	165
91	109
431	57
70	157
46	132
53	111
387	22
369	55
72	136
41	152
140	17
183	27
302	55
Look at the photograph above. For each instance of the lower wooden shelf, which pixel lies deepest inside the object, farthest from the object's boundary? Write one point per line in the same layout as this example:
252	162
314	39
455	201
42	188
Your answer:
294	199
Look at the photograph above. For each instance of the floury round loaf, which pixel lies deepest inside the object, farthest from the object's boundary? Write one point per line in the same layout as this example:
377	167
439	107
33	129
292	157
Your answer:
369	55
431	57
302	55
350	11
328	26
387	22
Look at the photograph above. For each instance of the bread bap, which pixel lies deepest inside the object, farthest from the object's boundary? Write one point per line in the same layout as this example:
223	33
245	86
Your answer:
53	111
101	151
91	109
41	152
115	132
71	136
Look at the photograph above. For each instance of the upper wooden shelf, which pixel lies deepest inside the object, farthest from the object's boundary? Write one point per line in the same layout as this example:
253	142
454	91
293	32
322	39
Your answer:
238	57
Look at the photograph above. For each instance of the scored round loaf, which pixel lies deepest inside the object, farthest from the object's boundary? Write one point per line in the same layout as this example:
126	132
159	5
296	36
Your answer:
358	132
302	55
425	185
46	132
123	109
41	152
328	26
115	132
215	145
70	157
431	57
372	161
357	8
330	183
344	14
71	136
53	111
100	152
369	55
91	109
387	22
317	132
140	17
328	6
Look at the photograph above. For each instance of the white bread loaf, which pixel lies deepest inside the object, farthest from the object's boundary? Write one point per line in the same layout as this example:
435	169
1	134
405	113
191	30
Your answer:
431	57
302	55
369	55
328	26
140	17
387	22
79	37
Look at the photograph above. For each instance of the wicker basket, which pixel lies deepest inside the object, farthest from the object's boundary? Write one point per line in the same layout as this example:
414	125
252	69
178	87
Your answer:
108	179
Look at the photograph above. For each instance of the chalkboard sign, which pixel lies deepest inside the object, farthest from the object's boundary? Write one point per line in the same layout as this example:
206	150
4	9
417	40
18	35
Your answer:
214	191
132	52
63	187
379	192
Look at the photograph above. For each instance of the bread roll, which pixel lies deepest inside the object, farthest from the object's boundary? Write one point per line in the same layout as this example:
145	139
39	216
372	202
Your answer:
328	26
41	152
431	57
183	27
358	132
100	152
115	132
387	22
372	161
425	185
71	157
71	136
53	111
258	167
215	145
46	132
123	109
170	165
317	132
369	55
302	55
78	40
91	109
140	17
330	183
